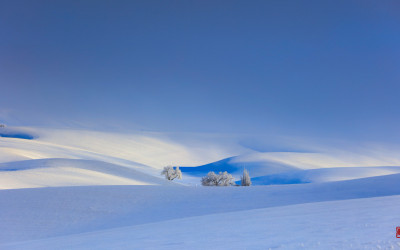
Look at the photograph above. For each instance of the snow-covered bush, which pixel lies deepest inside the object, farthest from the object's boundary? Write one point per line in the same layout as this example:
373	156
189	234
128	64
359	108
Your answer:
221	179
171	173
245	180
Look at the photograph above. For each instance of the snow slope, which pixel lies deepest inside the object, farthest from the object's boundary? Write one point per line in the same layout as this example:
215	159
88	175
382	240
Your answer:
70	172
50	212
257	168
352	224
16	133
149	149
149	152
94	158
323	175
76	189
267	170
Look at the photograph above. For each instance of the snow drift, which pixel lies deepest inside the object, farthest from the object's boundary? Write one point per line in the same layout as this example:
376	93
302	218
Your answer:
75	189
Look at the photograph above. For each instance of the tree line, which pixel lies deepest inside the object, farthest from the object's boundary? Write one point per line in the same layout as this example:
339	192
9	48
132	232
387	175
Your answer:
211	179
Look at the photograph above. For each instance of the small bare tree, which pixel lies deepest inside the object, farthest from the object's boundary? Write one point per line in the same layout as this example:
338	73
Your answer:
170	173
245	180
221	179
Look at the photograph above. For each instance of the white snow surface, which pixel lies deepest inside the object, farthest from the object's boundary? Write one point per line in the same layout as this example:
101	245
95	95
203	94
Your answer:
351	224
77	157
76	189
70	172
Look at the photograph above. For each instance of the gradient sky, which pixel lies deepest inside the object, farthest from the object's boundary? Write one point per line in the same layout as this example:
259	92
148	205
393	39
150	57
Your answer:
319	68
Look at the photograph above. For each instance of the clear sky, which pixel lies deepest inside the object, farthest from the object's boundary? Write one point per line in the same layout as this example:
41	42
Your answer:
319	68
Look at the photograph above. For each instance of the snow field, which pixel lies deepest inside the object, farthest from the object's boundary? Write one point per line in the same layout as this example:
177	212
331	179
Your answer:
74	189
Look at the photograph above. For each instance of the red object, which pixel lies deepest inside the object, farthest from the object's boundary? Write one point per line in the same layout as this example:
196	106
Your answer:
397	232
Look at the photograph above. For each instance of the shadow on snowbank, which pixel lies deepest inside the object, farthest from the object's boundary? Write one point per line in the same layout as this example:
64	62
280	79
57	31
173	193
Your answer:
15	133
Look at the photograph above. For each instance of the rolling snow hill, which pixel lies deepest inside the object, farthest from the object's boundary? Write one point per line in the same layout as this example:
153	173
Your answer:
342	224
77	189
71	172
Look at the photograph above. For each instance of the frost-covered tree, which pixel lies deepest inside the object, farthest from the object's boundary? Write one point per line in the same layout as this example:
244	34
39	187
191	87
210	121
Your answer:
209	180
170	173
245	180
221	179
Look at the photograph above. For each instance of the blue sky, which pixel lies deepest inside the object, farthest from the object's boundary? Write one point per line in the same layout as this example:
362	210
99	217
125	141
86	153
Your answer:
305	68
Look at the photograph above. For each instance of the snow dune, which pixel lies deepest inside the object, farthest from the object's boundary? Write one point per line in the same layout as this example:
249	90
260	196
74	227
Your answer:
351	224
151	150
51	212
75	189
323	175
256	168
70	172
95	158
266	171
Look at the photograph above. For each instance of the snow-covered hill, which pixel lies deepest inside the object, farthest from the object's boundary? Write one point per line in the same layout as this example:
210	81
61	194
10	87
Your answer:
342	224
323	175
41	213
71	172
76	189
272	170
38	161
